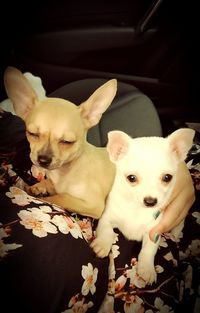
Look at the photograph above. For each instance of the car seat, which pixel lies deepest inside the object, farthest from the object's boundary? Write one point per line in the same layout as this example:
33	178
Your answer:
131	111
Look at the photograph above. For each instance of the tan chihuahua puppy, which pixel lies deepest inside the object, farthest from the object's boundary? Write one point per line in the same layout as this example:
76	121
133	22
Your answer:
79	175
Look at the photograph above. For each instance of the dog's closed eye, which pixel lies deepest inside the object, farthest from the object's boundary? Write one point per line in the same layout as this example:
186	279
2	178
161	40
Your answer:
33	135
66	142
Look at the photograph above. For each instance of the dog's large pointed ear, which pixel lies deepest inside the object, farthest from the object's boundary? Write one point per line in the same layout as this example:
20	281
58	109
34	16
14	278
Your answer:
93	108
181	141
19	91
118	144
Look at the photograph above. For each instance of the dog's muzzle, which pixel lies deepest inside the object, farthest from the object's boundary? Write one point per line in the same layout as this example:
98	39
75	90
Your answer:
44	160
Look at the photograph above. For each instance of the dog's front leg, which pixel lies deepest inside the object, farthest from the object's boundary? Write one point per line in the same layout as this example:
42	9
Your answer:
145	267
72	204
104	238
43	188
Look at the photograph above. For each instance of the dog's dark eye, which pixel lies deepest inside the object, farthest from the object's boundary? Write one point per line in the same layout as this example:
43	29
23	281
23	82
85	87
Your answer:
132	178
167	178
34	135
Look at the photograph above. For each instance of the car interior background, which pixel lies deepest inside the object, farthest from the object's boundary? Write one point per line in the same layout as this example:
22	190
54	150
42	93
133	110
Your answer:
149	46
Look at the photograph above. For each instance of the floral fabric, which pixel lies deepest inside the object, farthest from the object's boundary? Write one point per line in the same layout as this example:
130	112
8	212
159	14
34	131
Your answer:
47	265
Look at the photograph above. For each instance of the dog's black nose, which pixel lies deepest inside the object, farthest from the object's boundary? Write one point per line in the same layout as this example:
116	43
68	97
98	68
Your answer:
44	160
149	201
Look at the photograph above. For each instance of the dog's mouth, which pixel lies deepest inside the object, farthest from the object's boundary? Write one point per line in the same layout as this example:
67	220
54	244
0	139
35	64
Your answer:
46	167
49	162
50	165
46	163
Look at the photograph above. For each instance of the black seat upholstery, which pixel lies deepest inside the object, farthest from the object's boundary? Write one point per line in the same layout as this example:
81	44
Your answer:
131	111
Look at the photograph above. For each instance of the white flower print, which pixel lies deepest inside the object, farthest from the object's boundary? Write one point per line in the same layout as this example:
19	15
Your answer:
90	276
197	216
115	251
10	170
169	236
19	196
195	166
66	225
162	308
169	257
111	268
188	276
193	249
86	228
107	304
120	282
159	269
78	304
4	248
135	280
38	220
133	304
163	243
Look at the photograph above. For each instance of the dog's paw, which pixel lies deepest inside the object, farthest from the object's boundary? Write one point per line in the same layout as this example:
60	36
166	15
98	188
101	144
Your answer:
36	190
101	247
147	272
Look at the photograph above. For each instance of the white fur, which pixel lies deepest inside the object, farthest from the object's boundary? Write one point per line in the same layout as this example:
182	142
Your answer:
149	159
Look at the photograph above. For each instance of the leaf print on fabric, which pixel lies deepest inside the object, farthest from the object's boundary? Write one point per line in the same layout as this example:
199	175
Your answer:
66	225
6	247
38	220
20	197
90	276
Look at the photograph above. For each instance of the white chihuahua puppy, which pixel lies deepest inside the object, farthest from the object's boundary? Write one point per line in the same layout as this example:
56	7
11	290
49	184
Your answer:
146	170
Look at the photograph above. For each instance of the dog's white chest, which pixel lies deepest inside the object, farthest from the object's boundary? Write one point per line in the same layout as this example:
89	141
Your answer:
132	221
135	225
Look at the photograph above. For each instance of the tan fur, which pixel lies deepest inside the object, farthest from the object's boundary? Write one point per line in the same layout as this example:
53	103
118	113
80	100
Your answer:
79	174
